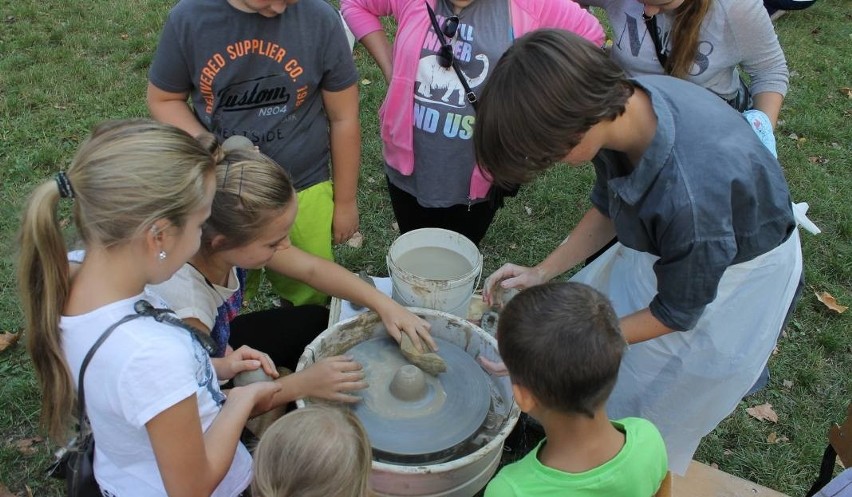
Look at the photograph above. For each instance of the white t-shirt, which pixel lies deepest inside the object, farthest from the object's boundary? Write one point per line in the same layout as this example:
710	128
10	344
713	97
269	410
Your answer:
142	368
190	295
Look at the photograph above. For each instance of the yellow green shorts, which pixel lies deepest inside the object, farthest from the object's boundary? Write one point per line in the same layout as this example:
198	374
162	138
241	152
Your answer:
311	232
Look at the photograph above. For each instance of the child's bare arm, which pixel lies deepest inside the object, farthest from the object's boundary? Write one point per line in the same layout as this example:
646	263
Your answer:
345	137
171	108
191	462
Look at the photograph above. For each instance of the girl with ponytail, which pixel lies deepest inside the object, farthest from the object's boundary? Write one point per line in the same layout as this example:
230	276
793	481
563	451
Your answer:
140	193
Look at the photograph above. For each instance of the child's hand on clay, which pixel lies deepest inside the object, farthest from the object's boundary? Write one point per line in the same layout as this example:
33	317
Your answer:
244	358
332	378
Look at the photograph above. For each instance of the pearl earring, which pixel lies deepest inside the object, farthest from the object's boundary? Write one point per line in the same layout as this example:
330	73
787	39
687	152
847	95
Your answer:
162	255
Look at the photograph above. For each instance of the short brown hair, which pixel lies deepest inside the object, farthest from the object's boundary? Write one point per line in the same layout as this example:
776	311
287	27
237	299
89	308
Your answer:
562	342
546	91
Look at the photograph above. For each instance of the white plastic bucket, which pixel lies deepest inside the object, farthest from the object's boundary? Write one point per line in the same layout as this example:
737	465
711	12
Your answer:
448	295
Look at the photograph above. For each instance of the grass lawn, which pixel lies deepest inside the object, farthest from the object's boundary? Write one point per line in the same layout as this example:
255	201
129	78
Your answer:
65	66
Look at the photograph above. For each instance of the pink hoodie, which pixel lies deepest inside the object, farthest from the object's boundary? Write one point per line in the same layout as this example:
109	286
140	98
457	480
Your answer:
396	113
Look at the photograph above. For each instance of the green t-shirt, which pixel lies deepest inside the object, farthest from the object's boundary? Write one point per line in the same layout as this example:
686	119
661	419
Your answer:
636	471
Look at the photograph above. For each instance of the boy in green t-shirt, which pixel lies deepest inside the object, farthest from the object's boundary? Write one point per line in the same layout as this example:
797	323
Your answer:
562	347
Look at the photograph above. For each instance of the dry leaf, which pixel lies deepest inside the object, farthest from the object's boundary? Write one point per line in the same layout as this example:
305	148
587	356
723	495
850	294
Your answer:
817	159
793	136
59	107
125	36
365	82
513	245
773	438
395	226
763	412
775	350
29	491
714	465
26	446
371	179
528	210
829	301
788	383
727	452
356	241
8	339
846	91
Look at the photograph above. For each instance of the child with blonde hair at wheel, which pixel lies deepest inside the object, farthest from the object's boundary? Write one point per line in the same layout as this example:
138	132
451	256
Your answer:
317	451
141	192
249	228
562	346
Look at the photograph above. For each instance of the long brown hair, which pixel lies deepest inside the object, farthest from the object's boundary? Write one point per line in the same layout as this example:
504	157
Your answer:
687	26
125	176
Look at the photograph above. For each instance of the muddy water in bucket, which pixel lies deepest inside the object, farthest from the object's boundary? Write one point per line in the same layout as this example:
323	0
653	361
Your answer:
434	268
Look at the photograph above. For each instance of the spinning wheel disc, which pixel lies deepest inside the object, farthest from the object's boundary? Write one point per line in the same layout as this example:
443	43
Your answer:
409	413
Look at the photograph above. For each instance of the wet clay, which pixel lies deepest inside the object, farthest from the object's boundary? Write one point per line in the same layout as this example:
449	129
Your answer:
434	263
430	362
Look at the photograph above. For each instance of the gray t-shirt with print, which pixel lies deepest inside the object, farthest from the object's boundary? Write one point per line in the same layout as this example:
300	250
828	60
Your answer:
259	77
733	33
443	119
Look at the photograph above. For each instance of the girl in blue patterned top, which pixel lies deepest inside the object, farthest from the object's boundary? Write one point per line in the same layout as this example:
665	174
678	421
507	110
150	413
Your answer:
249	228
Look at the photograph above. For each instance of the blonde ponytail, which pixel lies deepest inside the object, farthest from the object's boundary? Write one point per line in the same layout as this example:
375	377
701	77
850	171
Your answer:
124	177
44	286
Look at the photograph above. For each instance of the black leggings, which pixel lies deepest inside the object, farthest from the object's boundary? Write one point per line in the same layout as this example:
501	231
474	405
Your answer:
471	221
282	333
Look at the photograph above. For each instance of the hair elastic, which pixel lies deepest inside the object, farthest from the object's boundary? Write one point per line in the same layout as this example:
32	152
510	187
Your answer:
64	184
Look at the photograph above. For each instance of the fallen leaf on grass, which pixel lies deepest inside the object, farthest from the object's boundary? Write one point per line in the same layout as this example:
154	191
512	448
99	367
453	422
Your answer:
714	465
727	452
763	412
817	159
528	210
773	438
788	383
125	36
395	226
829	301
365	82
8	339
846	91
356	241
26	446
29	490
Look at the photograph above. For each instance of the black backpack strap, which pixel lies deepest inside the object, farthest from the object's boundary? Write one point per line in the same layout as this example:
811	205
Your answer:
142	308
651	24
468	92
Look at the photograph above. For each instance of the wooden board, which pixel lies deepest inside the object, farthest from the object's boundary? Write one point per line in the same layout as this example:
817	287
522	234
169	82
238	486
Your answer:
703	481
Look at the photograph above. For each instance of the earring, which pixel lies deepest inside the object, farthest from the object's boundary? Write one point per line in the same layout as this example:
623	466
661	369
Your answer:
162	255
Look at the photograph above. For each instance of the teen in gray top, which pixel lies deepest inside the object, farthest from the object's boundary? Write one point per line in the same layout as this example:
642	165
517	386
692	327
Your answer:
732	33
698	212
259	76
708	260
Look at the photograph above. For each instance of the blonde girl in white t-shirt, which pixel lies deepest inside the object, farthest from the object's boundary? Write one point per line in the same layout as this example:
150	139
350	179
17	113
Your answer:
140	193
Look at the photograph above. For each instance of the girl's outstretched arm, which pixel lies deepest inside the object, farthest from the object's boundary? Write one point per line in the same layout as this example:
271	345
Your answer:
334	279
193	463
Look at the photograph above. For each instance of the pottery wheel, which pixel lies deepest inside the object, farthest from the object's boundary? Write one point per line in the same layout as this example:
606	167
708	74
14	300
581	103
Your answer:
409	413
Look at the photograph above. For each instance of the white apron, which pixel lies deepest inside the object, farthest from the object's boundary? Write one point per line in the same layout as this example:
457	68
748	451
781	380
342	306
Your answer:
686	383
